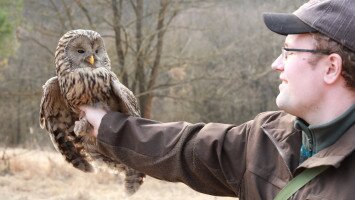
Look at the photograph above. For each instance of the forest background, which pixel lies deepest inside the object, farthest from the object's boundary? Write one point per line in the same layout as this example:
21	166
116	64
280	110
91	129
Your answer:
185	60
190	60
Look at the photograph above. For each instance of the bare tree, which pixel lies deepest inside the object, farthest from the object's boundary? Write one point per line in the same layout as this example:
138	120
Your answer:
193	60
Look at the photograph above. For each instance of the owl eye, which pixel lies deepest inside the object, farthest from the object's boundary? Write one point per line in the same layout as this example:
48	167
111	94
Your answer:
81	51
97	51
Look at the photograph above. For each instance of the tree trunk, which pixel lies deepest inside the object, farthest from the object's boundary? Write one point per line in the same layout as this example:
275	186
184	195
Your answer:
140	80
147	110
117	13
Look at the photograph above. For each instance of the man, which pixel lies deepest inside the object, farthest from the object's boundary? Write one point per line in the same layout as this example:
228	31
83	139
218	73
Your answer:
257	159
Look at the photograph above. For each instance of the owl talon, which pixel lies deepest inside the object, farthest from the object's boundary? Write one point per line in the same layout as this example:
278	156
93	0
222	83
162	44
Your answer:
82	127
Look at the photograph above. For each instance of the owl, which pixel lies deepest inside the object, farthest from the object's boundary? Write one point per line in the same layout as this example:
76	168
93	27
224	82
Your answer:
84	77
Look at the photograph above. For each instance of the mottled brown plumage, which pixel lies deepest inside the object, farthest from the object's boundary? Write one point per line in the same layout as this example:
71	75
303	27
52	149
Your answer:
84	77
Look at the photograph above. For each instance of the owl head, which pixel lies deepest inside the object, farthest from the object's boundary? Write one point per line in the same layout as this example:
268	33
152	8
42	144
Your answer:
81	49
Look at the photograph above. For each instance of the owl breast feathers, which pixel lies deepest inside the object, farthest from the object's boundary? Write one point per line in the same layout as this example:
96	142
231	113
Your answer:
84	77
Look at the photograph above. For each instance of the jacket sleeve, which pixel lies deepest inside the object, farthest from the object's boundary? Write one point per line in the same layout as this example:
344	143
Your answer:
209	158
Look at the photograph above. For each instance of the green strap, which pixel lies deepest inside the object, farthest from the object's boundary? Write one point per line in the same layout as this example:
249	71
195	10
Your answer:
299	181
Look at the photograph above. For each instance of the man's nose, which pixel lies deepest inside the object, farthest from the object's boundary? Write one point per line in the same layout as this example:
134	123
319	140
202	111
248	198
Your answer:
278	64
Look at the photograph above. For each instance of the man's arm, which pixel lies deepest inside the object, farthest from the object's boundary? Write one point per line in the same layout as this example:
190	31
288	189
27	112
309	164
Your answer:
207	157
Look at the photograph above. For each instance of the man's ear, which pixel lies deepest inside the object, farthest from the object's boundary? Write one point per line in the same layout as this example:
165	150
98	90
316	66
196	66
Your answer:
333	69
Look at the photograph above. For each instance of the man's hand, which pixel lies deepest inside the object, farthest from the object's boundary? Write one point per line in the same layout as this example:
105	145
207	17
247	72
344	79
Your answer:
94	116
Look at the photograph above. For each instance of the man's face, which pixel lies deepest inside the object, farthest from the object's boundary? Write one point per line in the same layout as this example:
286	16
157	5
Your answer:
301	88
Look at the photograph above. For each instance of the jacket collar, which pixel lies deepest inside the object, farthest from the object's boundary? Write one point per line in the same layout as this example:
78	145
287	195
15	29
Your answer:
335	153
287	140
318	137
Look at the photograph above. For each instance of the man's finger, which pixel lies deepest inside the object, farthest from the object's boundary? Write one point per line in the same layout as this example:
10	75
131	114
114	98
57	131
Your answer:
83	108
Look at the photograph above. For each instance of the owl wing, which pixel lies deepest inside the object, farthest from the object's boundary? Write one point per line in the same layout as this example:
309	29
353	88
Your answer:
128	102
59	121
128	105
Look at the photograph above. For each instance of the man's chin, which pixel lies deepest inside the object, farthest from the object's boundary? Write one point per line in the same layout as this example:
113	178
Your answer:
282	105
280	102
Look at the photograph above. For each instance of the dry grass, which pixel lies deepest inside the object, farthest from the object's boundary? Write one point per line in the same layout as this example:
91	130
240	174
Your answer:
30	174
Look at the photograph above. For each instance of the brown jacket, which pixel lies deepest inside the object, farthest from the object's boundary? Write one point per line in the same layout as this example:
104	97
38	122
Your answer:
251	161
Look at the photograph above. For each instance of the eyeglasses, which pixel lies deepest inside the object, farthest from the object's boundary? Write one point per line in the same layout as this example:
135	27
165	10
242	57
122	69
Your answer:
285	50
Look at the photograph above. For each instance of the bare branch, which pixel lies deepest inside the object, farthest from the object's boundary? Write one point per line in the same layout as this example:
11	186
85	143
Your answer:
160	25
20	94
36	41
117	15
133	6
86	12
168	86
108	23
163	28
61	20
68	12
178	98
139	76
49	51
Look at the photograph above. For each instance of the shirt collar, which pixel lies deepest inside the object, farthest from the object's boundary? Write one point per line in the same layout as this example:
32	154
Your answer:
335	153
287	140
340	144
317	137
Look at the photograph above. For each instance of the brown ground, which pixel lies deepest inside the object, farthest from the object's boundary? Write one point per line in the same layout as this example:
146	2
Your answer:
30	174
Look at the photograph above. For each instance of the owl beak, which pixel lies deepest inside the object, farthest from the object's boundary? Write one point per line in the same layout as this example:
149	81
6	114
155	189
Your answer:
91	60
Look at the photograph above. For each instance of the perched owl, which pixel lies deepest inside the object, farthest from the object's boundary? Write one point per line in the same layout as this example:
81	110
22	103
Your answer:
84	77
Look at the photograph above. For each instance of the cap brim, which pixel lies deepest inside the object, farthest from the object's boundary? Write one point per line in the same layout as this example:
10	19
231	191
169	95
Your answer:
285	24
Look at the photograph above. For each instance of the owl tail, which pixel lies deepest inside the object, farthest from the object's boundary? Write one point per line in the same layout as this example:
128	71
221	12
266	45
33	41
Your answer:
133	180
70	146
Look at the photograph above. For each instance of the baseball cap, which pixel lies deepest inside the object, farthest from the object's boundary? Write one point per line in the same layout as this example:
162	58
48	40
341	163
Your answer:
333	18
